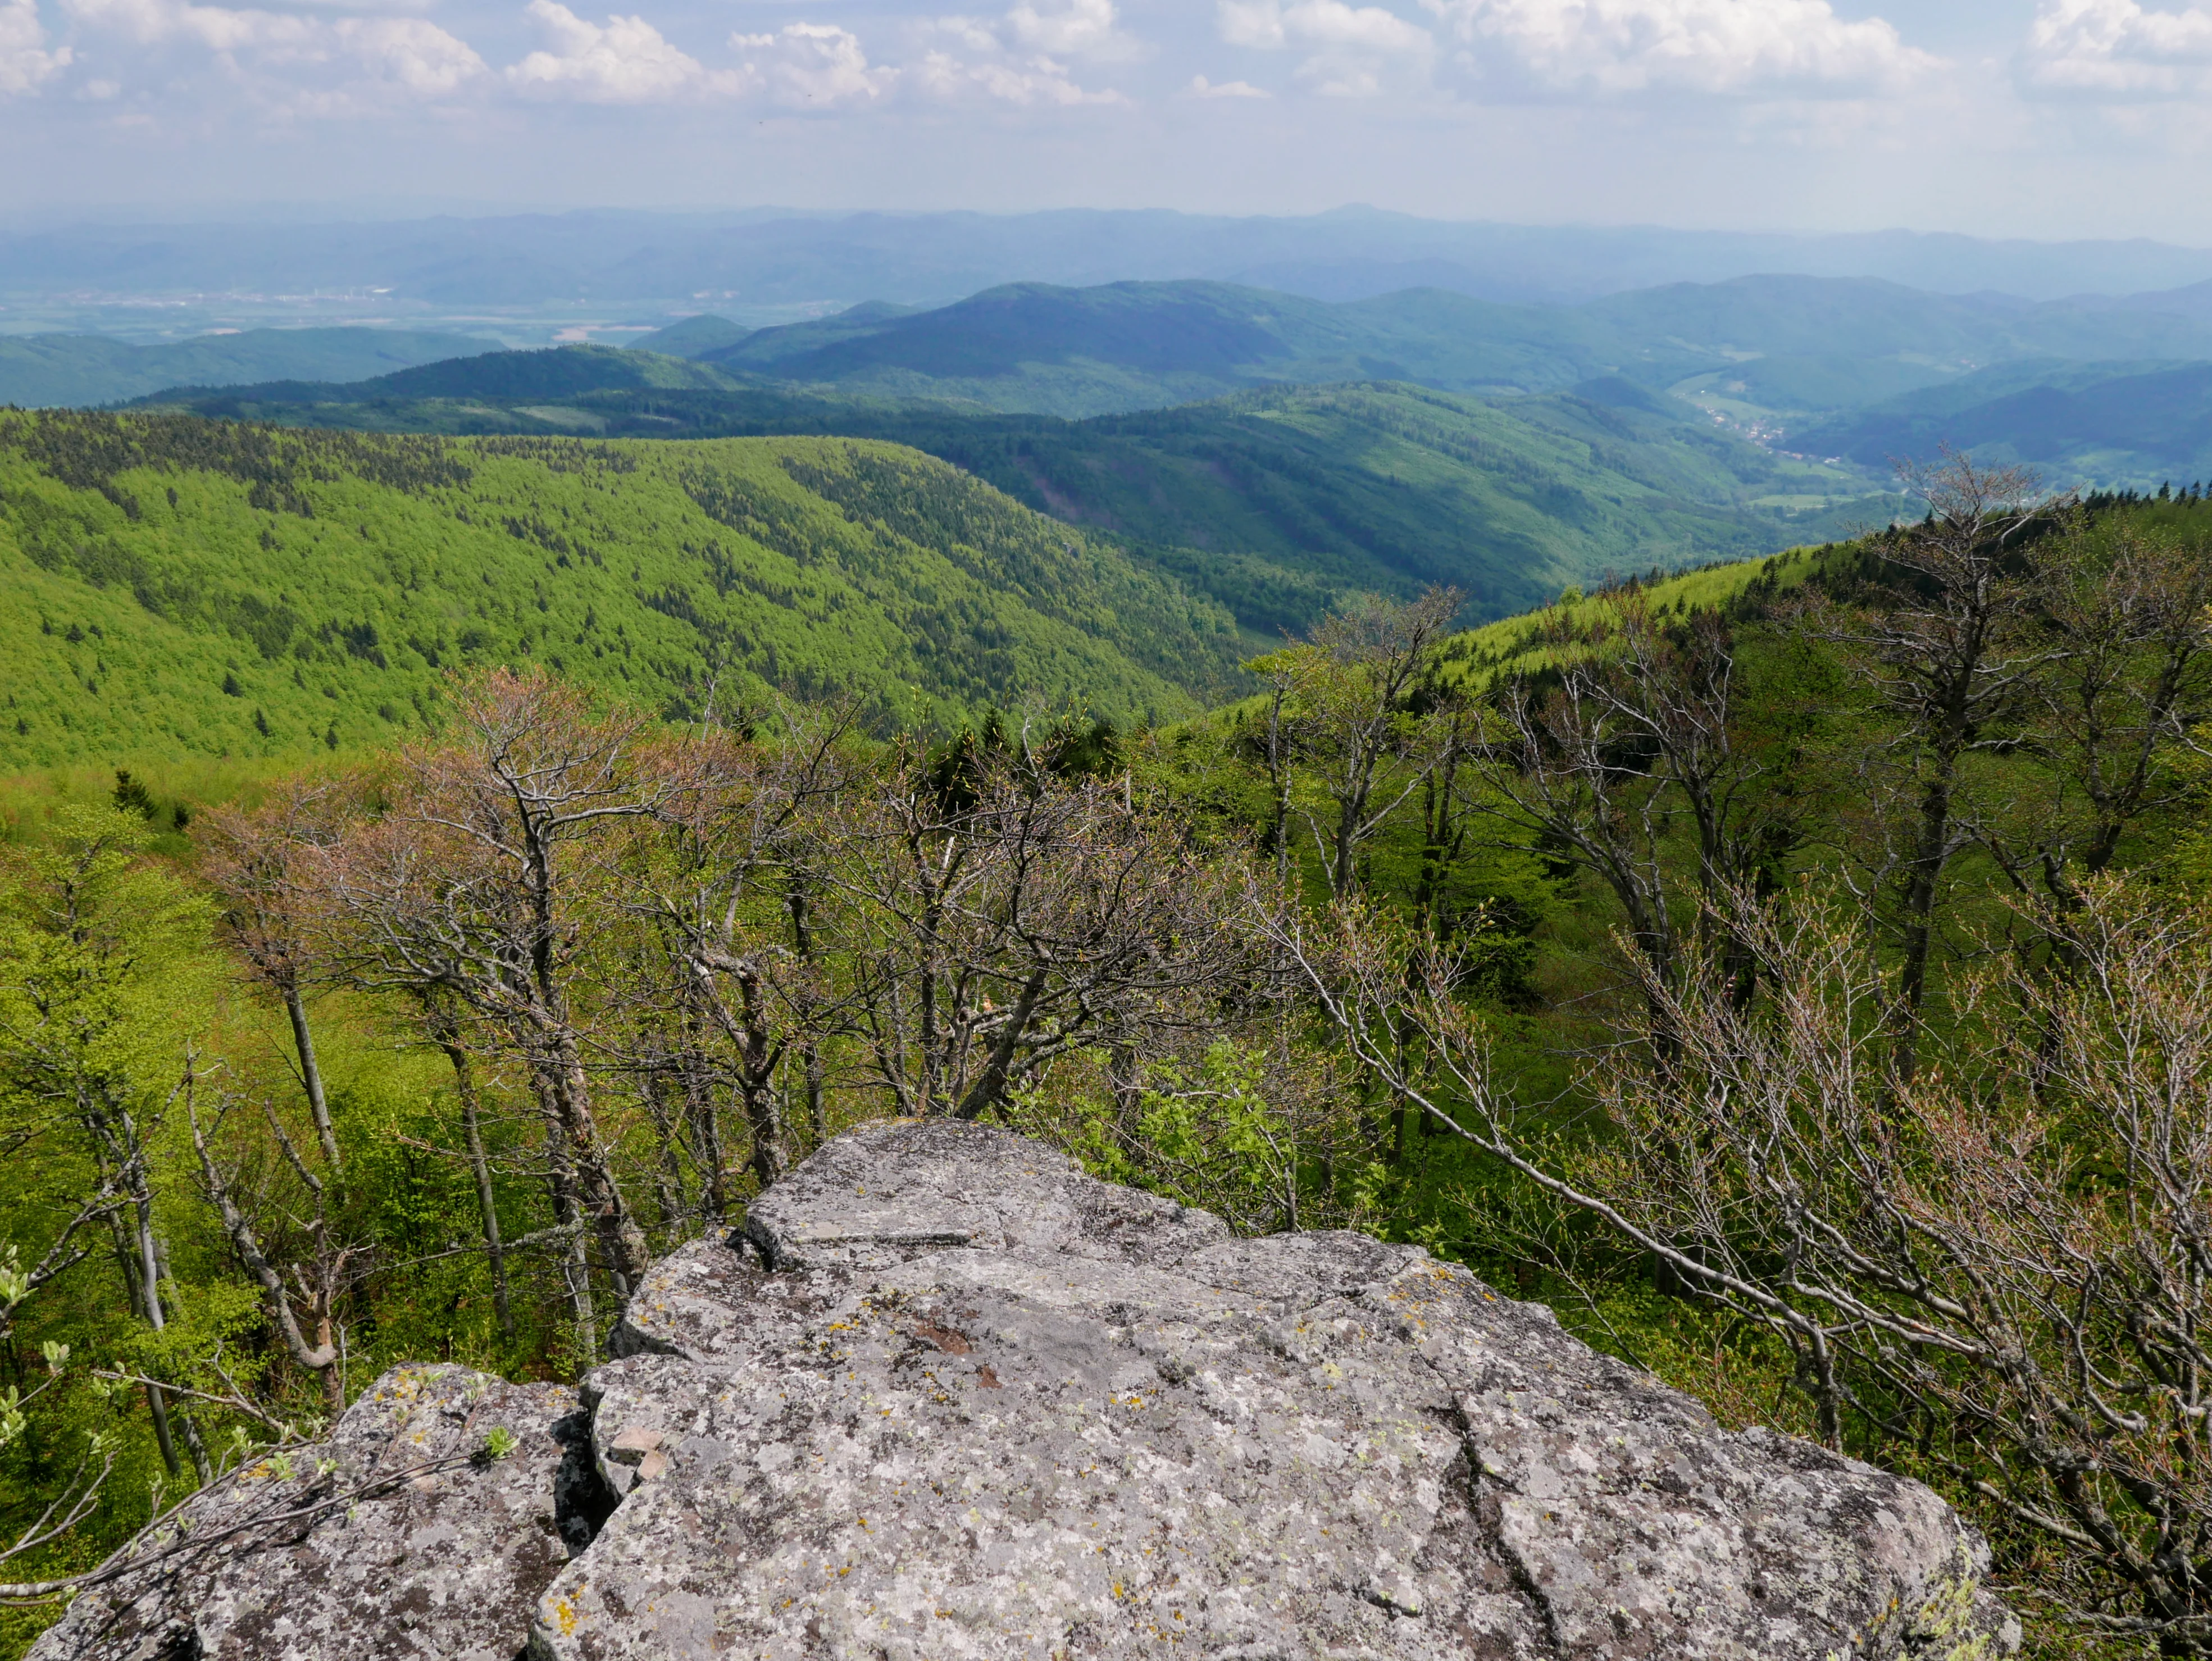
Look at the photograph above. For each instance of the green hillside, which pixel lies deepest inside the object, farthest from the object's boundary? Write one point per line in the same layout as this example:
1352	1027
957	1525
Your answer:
1032	347
1392	488
2117	425
1124	346
37	370
1791	344
177	586
1271	501
518	377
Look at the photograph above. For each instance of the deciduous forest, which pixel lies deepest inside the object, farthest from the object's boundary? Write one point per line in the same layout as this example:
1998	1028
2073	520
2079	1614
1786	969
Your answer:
1800	977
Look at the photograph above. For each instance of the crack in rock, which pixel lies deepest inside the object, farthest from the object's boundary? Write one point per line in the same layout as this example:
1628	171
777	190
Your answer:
951	1398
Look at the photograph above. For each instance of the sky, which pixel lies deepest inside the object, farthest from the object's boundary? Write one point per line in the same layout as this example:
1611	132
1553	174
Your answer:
2048	118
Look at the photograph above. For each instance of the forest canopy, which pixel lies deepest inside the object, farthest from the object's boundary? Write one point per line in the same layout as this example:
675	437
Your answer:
1804	983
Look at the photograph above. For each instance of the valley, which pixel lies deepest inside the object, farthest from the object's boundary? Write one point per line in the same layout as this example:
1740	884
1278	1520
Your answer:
175	586
1104	496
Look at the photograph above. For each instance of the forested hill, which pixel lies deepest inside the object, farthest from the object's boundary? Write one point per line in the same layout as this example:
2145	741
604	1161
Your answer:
1275	502
83	368
2132	423
176	586
1123	346
1816	345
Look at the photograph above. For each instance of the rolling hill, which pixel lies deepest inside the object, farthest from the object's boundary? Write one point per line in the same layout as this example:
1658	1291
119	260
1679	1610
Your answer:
1037	349
1783	344
1125	346
175	586
1390	488
2114	425
1274	501
43	370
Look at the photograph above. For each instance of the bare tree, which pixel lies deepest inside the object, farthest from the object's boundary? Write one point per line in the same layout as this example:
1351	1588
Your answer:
719	880
988	928
1631	745
2125	612
1342	704
1949	642
2000	1271
253	861
317	1284
85	953
481	882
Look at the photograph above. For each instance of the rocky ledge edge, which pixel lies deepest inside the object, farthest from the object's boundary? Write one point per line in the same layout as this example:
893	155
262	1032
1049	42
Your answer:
945	1395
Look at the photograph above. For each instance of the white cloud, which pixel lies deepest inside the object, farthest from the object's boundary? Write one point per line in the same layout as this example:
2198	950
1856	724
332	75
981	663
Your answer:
1693	45
219	28
25	62
627	61
2118	49
813	66
1353	51
1031	82
1320	23
1015	59
973	34
297	65
1202	88
410	53
1079	28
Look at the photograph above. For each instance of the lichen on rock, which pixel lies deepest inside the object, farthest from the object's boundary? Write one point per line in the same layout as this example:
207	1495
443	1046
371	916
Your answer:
952	1397
947	1396
395	1537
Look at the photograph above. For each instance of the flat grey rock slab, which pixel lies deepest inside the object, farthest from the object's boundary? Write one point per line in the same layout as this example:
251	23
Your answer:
893	1191
446	1559
951	1398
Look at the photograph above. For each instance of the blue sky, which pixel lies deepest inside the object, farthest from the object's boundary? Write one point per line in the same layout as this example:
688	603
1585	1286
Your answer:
2043	117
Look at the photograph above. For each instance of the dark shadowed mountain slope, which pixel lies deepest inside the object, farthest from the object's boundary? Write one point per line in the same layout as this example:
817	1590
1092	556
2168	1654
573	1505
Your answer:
1276	500
1037	349
2114	425
78	369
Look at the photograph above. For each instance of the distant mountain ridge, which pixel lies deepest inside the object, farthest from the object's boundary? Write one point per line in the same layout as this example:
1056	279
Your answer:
1036	349
1274	500
1077	352
1783	361
79	369
774	258
2127	425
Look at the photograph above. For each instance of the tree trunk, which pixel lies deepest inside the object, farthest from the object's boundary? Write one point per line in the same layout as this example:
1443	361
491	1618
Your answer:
575	1267
311	1075
809	1052
203	1466
464	1086
1279	775
627	1252
141	1266
986	1090
1919	931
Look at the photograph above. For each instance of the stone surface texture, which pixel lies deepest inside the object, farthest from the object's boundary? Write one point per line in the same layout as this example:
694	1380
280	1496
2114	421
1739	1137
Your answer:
946	1397
443	1558
954	1398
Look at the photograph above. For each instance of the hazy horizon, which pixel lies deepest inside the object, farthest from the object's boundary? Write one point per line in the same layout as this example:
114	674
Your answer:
21	220
2050	120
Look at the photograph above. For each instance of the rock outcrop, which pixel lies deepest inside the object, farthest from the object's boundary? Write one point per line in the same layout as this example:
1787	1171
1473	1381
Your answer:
946	1397
399	1536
